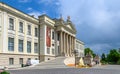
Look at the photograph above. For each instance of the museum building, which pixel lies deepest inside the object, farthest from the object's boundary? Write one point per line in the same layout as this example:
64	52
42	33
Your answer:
24	37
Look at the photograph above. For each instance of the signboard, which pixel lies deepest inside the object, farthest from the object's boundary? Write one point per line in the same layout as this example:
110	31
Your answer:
48	37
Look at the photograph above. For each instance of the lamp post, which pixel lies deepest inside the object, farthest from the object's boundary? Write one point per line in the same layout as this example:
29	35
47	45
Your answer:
75	52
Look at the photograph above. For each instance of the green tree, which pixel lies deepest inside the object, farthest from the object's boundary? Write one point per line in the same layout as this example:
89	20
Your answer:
103	57
113	56
88	50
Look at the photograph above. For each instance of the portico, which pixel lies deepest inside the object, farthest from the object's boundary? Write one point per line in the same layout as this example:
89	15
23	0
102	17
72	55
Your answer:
67	36
66	44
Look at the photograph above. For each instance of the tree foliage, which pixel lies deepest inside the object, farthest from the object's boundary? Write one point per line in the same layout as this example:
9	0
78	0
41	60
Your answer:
103	57
88	50
113	56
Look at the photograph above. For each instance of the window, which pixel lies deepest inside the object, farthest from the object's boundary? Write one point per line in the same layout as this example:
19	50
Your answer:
36	32
52	44
29	58
29	30
11	61
36	58
35	47
53	35
11	24
21	27
10	44
53	51
28	47
20	60
20	45
48	50
77	45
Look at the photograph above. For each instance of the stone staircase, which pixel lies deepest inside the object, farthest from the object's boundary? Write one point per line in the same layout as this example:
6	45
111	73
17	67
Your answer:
56	63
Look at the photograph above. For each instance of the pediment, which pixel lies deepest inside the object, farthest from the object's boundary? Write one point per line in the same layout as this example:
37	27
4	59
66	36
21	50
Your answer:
71	26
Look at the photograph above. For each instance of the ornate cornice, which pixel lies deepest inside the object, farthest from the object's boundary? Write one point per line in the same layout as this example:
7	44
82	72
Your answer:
11	10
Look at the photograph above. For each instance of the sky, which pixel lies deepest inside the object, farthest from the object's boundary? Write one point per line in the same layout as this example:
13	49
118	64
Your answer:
97	21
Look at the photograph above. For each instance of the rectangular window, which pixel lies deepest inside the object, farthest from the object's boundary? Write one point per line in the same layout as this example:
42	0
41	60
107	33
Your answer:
48	50
11	24
20	60
36	32
28	47
53	36
53	51
53	44
29	29
21	27
36	58
29	58
11	61
20	45
35	47
10	44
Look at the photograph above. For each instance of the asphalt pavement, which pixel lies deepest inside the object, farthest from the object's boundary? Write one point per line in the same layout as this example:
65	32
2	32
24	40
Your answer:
57	66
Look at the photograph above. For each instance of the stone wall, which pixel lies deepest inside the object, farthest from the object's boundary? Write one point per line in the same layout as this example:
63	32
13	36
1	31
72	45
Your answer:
4	59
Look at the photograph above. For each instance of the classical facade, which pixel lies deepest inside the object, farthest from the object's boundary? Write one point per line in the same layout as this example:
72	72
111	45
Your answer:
23	37
79	46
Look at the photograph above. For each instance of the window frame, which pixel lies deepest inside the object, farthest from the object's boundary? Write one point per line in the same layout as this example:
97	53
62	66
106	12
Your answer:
20	60
21	28
36	32
53	51
28	47
11	61
53	35
48	50
10	44
29	29
11	23
35	47
22	44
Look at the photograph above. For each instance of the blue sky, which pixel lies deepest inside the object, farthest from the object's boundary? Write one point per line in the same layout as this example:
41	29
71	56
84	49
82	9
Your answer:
97	21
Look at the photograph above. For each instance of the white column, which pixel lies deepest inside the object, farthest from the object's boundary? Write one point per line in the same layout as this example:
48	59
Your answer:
61	43
66	44
25	38
32	42
70	46
5	33
16	36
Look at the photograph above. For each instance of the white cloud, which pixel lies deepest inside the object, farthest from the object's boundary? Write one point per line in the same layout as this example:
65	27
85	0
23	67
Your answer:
97	21
49	2
24	1
29	9
36	13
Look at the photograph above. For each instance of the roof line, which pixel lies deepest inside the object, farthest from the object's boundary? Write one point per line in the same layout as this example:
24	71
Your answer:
18	10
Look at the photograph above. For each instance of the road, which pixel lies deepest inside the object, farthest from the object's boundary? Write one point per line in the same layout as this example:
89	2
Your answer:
66	71
57	67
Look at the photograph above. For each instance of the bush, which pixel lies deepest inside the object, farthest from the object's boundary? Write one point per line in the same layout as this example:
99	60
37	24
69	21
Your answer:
103	62
118	62
4	72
